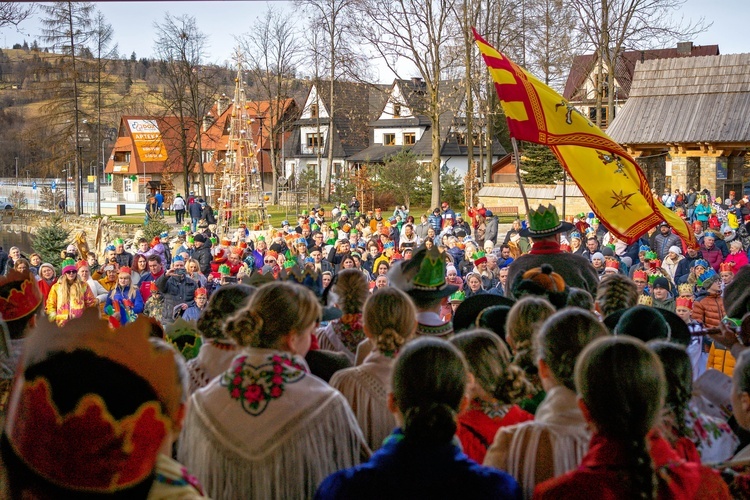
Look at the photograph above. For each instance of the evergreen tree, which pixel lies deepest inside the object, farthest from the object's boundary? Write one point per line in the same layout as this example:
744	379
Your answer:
540	165
51	240
155	226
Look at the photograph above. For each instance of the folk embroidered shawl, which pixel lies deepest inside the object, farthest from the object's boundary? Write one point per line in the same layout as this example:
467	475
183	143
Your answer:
266	428
213	359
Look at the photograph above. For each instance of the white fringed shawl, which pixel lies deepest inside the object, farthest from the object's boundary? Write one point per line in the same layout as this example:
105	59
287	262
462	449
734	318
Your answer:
283	450
213	359
366	387
560	420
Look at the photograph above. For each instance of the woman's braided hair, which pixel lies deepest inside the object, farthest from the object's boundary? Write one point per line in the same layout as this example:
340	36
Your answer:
622	385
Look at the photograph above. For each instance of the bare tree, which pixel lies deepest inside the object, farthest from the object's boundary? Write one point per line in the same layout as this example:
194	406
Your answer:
423	33
13	13
190	85
67	26
273	52
105	52
330	16
614	26
552	41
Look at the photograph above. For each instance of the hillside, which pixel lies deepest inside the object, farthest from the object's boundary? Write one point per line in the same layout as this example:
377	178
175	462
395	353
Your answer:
34	86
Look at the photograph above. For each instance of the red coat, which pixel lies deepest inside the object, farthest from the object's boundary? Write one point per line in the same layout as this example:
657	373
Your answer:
603	475
476	430
44	287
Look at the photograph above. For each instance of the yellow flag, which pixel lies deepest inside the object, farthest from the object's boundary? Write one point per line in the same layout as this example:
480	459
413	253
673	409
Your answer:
610	180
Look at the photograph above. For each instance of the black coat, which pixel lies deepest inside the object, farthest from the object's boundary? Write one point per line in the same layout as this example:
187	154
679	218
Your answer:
204	257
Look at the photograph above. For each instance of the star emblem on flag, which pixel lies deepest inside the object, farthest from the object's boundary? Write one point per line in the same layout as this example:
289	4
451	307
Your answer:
621	200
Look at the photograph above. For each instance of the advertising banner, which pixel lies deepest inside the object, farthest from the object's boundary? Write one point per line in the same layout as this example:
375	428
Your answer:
147	140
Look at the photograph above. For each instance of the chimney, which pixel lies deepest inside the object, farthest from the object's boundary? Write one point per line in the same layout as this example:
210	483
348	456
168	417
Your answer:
208	120
685	48
222	103
416	80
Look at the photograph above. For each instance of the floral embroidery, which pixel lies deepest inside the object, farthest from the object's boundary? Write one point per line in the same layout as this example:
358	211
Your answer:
256	386
710	434
350	330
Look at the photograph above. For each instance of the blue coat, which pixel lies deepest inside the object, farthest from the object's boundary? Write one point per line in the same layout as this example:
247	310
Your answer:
120	295
402	470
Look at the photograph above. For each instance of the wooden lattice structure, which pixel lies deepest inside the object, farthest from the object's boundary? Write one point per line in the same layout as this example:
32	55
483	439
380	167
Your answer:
238	178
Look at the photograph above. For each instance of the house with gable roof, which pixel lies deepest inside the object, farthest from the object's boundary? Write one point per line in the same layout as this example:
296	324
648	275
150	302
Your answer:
268	117
356	105
402	125
581	85
146	152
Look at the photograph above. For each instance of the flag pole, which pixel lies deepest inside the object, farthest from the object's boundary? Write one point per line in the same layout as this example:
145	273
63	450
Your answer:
518	173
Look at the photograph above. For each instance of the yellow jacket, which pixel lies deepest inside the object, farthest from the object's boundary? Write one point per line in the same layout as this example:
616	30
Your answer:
720	359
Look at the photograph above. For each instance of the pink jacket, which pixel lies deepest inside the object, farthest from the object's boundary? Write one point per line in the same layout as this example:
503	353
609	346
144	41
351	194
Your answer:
739	259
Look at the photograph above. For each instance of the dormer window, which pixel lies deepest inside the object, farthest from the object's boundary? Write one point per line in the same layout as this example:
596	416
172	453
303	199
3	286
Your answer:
389	139
396	110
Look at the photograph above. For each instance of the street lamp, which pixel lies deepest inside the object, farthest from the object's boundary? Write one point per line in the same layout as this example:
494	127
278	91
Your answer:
65	175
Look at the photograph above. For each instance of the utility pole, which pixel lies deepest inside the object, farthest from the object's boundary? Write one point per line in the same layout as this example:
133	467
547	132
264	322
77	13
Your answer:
16	171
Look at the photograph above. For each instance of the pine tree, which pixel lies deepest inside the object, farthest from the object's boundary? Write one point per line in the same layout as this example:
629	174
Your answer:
155	226
540	165
51	240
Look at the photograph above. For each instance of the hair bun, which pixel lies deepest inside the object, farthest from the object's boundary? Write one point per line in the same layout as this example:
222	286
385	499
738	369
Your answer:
547	269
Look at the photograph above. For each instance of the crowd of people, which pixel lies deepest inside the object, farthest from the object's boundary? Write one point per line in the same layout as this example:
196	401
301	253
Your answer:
353	354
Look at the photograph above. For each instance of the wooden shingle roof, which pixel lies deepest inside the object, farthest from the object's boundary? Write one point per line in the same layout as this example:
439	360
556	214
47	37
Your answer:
687	100
584	64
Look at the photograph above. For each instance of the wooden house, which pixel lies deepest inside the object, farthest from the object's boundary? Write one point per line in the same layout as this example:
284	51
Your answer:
686	122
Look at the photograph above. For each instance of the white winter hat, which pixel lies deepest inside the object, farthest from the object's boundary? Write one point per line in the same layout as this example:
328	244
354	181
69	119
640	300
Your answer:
675	249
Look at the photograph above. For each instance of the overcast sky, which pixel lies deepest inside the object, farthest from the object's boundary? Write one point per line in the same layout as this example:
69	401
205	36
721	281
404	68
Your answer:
222	21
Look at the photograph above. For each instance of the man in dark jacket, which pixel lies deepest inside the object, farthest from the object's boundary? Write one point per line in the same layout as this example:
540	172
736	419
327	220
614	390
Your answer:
195	210
665	239
690	200
178	290
123	258
685	265
490	231
202	253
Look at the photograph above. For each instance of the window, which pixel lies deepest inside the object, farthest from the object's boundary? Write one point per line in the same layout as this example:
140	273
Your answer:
410	138
389	139
314	110
127	185
313	140
461	138
592	114
396	109
208	156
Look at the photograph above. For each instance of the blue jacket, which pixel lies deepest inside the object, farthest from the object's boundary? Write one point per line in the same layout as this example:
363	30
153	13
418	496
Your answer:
436	222
401	470
120	295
